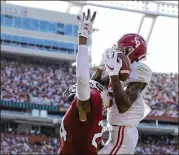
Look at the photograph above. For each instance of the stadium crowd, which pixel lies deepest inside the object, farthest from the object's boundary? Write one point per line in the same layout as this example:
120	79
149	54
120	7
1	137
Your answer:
157	145
41	83
38	82
162	95
12	143
15	143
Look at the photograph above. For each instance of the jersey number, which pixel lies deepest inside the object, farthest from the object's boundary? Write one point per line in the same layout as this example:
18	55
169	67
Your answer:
97	135
63	133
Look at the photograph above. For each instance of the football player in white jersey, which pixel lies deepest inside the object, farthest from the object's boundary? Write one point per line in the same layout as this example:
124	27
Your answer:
128	106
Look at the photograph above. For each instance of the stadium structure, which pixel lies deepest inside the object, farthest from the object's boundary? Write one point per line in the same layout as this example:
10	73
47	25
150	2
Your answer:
37	49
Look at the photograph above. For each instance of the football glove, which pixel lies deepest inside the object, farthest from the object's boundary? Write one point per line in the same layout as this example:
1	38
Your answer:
113	63
86	24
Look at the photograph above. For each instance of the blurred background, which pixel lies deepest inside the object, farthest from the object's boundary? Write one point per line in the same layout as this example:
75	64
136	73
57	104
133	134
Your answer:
38	52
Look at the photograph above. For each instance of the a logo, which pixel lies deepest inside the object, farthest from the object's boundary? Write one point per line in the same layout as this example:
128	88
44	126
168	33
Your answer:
137	42
111	68
86	26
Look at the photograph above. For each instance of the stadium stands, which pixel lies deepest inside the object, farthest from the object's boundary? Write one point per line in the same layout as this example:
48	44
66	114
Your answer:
15	143
43	83
37	83
157	145
156	149
12	143
162	94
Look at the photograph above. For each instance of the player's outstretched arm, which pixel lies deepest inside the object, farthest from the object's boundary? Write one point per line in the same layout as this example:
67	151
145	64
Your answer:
97	76
83	77
82	67
99	71
125	99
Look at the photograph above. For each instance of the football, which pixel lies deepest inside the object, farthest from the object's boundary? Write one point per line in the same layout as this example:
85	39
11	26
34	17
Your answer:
125	70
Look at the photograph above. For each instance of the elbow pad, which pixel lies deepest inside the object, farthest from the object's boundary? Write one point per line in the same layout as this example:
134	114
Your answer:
82	91
82	64
82	73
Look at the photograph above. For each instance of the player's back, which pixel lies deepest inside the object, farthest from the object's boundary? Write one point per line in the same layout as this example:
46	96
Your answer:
79	137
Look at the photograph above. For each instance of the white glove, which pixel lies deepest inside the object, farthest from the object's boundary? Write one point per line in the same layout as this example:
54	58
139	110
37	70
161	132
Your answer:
86	24
113	63
102	65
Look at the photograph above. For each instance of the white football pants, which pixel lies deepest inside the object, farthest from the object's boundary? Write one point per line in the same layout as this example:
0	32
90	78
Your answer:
122	140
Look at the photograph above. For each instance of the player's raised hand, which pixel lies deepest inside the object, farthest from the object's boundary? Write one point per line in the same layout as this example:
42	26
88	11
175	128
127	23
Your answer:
102	64
86	23
112	62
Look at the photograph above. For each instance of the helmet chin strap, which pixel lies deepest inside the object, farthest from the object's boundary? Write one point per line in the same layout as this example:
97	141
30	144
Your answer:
130	50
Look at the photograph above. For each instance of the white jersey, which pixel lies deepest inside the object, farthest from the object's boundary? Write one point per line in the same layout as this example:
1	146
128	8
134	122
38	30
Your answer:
139	110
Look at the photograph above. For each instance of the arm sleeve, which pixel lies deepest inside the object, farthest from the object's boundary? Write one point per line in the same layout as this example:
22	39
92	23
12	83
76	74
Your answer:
82	73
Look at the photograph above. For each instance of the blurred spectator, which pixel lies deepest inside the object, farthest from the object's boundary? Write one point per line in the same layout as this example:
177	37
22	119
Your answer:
41	83
12	143
162	94
156	149
44	83
156	145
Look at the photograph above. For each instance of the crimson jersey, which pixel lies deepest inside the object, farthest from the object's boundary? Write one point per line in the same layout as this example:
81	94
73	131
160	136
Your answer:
82	138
